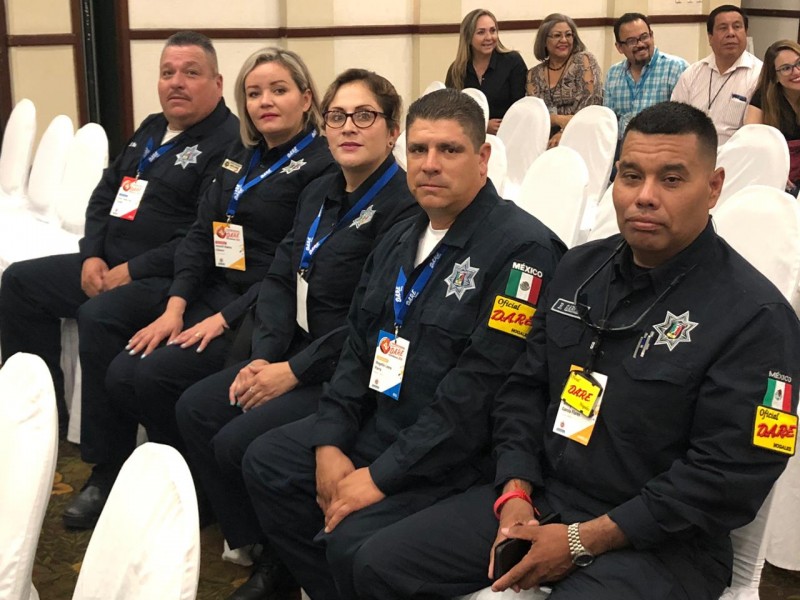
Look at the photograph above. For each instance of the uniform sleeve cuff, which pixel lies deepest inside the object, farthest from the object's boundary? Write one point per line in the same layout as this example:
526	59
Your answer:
638	524
518	465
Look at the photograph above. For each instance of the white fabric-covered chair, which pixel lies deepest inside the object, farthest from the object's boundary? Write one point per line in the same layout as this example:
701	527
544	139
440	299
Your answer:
15	157
525	129
480	98
399	150
754	155
554	191
87	158
147	541
763	224
783	529
498	162
605	222
433	86
488	594
28	449
592	133
47	172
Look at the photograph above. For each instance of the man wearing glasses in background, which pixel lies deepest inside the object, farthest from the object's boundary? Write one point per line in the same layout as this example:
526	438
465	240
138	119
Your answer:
647	76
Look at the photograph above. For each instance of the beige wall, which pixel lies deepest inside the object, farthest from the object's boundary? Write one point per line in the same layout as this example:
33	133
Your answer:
766	30
38	16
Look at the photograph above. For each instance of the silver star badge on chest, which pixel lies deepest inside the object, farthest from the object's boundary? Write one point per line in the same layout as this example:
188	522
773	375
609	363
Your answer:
188	156
674	330
294	165
461	280
364	217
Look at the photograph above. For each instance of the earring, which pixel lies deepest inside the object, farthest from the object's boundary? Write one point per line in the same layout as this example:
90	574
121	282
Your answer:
391	143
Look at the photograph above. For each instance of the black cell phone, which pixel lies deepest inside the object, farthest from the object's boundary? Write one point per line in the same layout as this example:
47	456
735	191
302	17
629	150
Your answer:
509	552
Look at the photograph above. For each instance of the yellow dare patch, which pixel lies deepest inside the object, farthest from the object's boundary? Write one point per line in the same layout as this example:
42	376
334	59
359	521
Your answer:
580	392
775	430
511	316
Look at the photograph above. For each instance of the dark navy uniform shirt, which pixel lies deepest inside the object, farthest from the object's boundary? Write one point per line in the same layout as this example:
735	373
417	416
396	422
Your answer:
176	181
265	212
438	431
333	275
671	457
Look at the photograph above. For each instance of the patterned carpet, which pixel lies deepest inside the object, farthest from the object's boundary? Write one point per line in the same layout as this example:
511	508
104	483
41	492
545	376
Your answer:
60	552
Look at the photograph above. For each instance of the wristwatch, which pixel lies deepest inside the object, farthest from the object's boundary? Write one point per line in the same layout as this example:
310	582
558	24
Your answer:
581	557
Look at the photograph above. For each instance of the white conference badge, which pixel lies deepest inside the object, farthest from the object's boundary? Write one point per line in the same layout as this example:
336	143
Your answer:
389	364
570	421
302	299
228	245
129	197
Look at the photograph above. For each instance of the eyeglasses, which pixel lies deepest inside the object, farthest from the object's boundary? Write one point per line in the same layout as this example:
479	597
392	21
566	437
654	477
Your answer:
560	36
631	42
361	118
787	69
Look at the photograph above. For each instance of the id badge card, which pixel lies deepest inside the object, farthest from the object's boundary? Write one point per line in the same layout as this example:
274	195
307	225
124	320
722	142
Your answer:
389	364
580	404
228	246
129	197
302	303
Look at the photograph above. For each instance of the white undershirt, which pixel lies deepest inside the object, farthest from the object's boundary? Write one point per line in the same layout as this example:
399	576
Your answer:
427	242
170	134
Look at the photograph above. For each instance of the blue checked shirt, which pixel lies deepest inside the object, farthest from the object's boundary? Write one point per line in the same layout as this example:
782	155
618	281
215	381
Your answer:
627	98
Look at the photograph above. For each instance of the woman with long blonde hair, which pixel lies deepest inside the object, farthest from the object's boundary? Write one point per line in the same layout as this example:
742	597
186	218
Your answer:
483	62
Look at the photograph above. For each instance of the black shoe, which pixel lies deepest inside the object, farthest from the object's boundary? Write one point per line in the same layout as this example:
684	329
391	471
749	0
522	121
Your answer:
85	508
270	580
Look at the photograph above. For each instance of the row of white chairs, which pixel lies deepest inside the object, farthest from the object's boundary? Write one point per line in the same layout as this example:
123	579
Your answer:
147	541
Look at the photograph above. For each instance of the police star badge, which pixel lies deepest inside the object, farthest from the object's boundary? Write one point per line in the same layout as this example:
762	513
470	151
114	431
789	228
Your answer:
188	156
294	165
674	330
461	280
364	217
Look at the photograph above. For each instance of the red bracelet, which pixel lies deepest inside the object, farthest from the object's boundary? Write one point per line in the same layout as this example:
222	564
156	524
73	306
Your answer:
500	502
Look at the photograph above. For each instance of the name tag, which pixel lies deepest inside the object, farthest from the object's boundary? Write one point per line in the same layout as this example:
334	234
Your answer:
580	404
129	197
389	364
775	430
228	245
302	300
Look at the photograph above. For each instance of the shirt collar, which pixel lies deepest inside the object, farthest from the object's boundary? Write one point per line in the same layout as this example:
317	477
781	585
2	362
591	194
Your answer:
746	60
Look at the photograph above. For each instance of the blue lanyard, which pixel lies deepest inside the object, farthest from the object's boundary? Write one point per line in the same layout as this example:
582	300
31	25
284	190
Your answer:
402	301
310	248
636	88
149	157
242	187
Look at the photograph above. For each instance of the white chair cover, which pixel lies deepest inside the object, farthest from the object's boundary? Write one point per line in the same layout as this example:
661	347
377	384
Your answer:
592	133
28	449
554	191
498	163
783	529
524	130
754	155
88	157
146	543
47	172
488	594
480	98
71	368
399	150
432	87
15	157
605	222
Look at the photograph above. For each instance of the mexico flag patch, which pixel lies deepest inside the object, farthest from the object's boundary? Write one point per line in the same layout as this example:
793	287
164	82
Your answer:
524	283
778	395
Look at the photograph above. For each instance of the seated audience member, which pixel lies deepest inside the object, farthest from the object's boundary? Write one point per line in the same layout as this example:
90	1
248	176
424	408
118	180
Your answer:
301	313
776	101
145	201
647	76
242	218
724	81
483	62
568	77
652	426
439	317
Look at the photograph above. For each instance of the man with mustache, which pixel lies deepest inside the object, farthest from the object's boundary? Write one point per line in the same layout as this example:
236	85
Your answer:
724	81
142	206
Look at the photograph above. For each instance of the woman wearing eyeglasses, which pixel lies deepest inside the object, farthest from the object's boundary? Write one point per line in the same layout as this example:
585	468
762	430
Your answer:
302	308
776	101
568	78
483	62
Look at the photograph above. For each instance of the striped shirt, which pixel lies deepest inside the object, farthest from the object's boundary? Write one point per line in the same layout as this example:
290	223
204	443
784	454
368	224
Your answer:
723	96
627	97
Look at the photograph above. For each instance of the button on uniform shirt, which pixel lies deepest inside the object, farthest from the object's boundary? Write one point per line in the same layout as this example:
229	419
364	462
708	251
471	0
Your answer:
437	431
627	97
723	96
671	458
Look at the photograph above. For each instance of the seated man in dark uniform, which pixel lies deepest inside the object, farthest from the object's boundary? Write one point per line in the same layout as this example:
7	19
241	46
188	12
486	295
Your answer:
653	409
440	315
144	203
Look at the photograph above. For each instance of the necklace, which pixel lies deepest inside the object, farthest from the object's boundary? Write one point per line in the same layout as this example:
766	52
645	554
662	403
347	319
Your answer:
564	64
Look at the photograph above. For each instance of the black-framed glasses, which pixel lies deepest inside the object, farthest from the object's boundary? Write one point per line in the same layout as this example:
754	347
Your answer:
786	70
361	118
631	42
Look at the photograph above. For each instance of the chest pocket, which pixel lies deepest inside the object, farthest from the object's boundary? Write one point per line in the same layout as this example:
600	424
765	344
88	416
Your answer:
564	331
